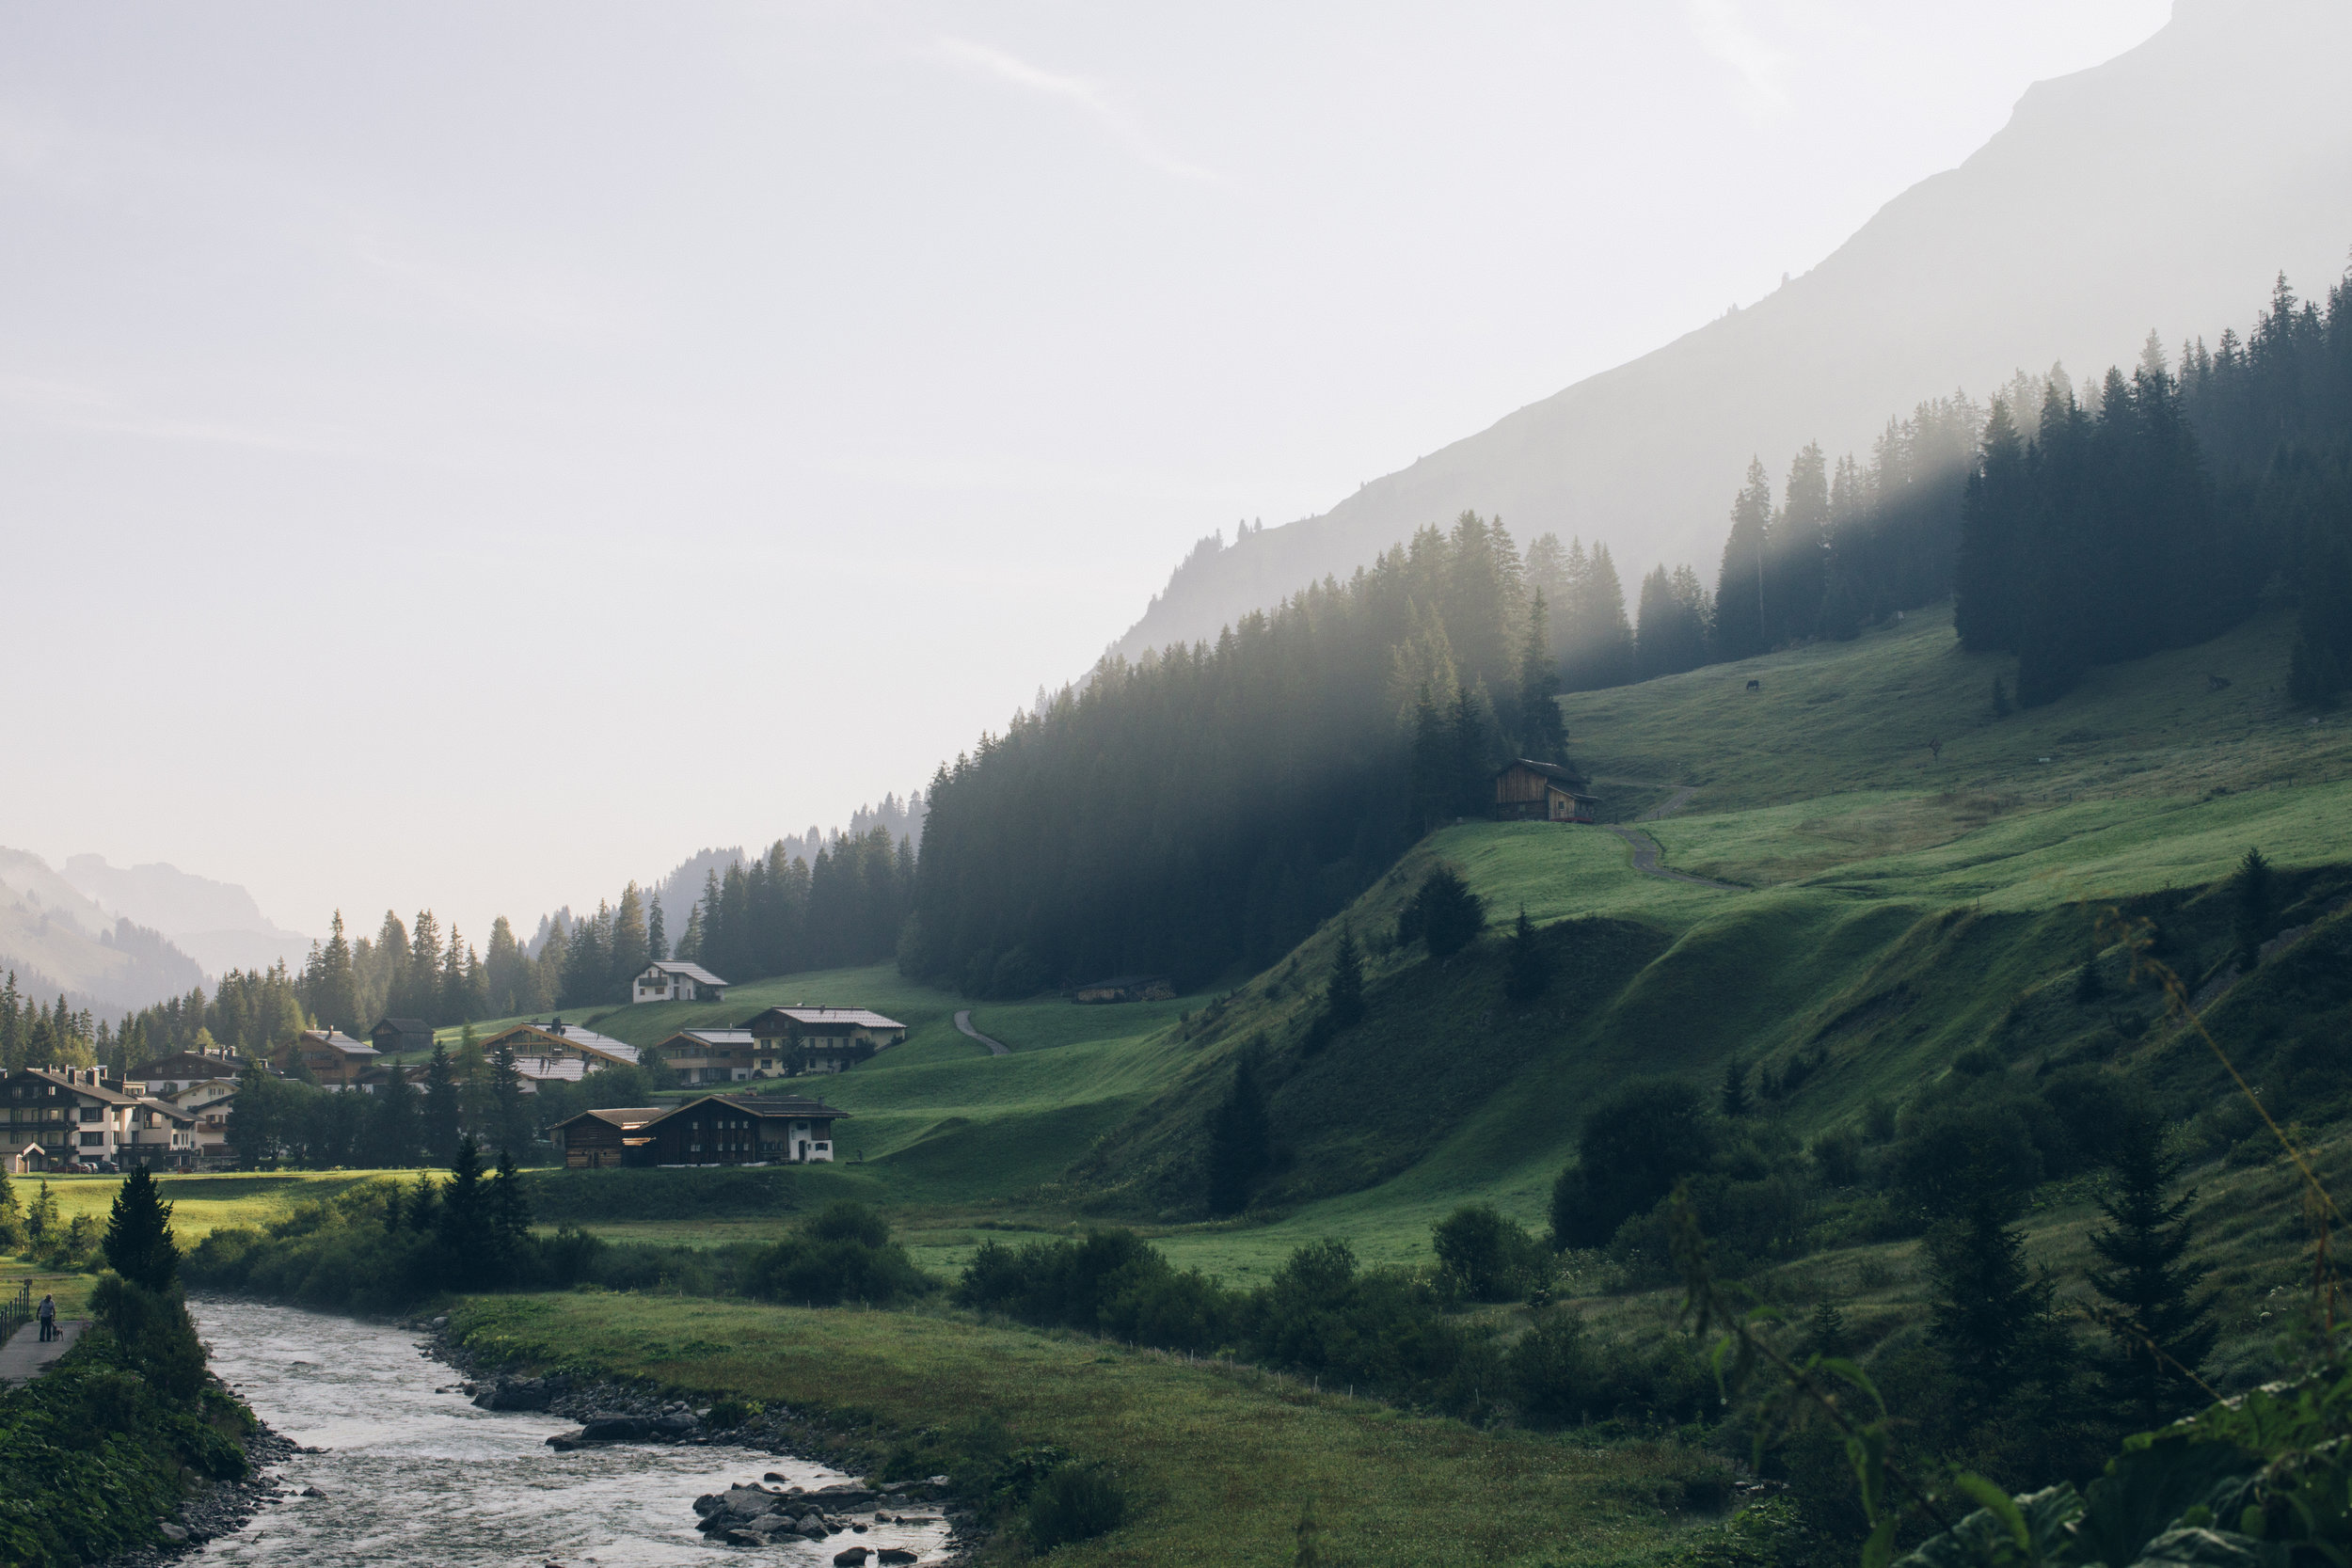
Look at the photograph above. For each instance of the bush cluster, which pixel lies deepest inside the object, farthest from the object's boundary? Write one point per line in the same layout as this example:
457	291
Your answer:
1381	1331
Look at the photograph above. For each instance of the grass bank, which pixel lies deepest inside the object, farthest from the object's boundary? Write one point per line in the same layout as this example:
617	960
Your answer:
1220	1462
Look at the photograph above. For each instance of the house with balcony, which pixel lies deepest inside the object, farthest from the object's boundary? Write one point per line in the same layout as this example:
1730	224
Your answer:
677	980
714	1129
792	1041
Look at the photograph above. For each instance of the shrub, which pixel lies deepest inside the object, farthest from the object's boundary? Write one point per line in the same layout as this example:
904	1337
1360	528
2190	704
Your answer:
844	1254
1486	1256
1960	1152
1635	1145
1077	1502
1444	915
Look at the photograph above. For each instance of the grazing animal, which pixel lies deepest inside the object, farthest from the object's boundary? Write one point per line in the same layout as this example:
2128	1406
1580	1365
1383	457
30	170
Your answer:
1755	685
1936	747
2217	683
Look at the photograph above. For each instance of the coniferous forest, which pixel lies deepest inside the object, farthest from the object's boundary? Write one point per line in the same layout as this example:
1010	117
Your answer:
1209	805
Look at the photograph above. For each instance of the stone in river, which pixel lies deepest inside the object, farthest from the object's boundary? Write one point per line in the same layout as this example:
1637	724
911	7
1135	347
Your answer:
175	1534
854	1558
893	1554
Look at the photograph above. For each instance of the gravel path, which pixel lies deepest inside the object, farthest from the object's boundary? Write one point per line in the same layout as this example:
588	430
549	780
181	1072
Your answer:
1644	847
995	1048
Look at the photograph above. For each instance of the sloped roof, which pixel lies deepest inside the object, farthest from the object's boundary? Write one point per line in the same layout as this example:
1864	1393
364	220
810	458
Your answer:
778	1105
186	1064
1125	982
623	1116
335	1040
693	972
522	1035
707	1039
857	1018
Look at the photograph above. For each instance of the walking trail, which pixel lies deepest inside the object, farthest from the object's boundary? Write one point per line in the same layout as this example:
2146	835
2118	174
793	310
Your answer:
25	1355
1646	848
995	1048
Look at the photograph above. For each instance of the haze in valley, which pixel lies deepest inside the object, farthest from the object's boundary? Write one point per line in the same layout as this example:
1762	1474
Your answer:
472	457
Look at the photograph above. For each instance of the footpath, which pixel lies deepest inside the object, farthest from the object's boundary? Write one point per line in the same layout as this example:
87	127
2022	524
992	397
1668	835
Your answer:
995	1048
25	1355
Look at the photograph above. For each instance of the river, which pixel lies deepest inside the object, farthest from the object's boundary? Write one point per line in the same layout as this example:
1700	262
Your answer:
412	1475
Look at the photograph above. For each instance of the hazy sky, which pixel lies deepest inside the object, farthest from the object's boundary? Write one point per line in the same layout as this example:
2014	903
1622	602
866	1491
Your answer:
472	454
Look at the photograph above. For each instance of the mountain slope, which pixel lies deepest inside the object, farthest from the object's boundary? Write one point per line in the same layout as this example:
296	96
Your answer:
218	924
2164	189
56	940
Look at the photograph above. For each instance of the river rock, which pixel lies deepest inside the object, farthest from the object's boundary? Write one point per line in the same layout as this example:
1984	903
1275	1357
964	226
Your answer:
854	1558
893	1554
175	1534
518	1393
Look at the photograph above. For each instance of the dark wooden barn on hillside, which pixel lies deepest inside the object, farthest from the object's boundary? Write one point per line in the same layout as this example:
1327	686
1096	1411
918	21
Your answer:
1529	791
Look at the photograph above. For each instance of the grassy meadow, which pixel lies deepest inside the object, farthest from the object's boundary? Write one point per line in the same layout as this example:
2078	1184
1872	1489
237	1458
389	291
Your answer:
1222	1462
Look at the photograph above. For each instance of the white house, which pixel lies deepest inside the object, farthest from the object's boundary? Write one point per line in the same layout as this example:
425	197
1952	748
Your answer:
677	980
73	1115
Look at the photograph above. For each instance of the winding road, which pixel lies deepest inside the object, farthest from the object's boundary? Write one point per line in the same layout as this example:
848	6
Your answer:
1646	852
995	1048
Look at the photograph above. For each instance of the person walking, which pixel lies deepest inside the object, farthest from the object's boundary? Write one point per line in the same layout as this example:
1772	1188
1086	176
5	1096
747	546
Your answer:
48	1318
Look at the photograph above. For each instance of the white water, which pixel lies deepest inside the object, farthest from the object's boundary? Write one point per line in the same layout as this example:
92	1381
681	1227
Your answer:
413	1475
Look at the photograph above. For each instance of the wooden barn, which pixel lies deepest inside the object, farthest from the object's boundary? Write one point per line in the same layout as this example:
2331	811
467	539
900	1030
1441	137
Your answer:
713	1130
1542	792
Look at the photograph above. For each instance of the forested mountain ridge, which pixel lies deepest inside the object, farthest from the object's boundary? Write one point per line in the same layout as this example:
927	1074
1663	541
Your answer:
2065	236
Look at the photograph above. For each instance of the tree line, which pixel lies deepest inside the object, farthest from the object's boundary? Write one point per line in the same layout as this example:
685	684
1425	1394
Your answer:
1209	805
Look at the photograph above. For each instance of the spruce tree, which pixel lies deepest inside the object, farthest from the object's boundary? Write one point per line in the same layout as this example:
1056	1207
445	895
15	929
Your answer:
1241	1140
462	1219
11	1216
656	934
2253	893
1742	621
2161	1327
1733	1099
1990	1311
511	1115
1343	998
138	1242
1527	969
441	1109
510	1216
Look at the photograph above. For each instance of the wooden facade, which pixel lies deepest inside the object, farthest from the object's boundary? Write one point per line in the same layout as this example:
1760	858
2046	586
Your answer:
1529	791
714	1129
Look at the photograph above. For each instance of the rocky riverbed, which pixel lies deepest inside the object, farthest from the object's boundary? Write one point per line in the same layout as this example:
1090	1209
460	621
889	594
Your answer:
377	1454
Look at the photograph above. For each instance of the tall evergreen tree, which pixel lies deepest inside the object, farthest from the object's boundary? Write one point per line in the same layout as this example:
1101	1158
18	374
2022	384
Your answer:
1527	971
2162	1329
1797	571
138	1242
631	946
656	934
2255	899
1990	1311
1241	1140
1743	621
442	1108
1343	998
511	1125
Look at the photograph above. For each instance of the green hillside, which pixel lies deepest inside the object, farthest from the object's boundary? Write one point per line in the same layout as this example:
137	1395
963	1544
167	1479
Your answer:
1891	911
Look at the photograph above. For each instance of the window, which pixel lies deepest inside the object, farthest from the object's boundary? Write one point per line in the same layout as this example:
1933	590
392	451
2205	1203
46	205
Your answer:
94	1140
94	1112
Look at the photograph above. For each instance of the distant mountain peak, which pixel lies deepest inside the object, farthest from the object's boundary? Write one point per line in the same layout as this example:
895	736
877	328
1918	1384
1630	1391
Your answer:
2165	188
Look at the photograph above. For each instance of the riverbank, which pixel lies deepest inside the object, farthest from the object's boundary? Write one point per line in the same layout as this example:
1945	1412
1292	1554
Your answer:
1219	1463
217	1508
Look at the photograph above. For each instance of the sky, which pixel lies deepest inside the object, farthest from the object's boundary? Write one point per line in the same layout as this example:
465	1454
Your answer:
468	455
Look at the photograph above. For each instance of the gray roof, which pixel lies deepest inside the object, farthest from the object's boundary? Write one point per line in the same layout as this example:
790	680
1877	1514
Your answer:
858	1018
708	1038
567	1034
693	972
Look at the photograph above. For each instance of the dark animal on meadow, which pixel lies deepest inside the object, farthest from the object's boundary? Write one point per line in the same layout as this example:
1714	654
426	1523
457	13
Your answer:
1755	685
2217	683
1936	747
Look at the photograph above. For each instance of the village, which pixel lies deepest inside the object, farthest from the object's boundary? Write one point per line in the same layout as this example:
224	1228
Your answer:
172	1113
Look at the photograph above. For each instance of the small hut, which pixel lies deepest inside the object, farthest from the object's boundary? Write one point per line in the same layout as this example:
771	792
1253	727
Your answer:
1528	791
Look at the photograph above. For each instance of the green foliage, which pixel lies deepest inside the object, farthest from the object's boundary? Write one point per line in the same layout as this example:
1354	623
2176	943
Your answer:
1527	967
1073	1503
1241	1140
139	1244
1636	1143
1486	1256
1444	915
843	1252
107	1440
2161	1327
2255	897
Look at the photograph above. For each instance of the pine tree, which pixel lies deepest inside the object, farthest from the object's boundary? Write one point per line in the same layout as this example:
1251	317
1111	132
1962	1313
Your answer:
2161	1328
138	1242
335	1000
1989	1310
2088	987
510	1216
41	1219
1344	999
1799	551
441	1107
11	1216
631	948
1527	969
2253	894
512	1117
1241	1140
393	1132
1541	736
419	987
461	1220
657	935
1734	1097
1741	623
